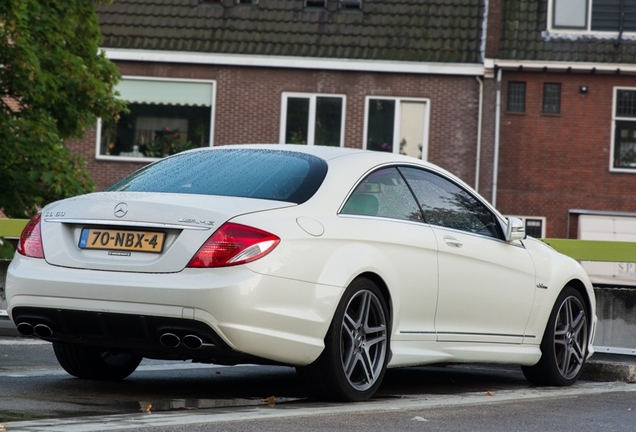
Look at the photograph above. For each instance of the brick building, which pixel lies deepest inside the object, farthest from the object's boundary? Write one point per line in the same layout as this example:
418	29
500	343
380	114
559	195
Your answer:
567	78
396	75
533	103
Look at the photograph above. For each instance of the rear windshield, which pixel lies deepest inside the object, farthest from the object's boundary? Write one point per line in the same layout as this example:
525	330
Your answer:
250	173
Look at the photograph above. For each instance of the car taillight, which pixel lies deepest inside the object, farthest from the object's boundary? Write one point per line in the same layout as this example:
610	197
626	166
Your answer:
234	244
30	243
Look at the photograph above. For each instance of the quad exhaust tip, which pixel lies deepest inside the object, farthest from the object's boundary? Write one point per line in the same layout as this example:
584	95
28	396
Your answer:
192	341
25	329
39	330
169	340
43	331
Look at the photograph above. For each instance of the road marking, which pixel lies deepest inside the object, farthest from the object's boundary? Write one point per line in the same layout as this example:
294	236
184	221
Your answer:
22	372
219	415
22	341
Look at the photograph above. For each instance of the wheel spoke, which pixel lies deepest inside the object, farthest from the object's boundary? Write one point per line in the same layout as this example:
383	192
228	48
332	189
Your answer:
365	308
349	324
565	360
350	363
367	365
568	312
579	323
376	340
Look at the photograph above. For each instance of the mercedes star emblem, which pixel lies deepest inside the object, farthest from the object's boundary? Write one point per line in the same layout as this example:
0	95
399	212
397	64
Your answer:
121	209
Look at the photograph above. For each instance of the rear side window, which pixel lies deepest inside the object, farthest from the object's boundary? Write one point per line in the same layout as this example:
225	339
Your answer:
384	194
249	173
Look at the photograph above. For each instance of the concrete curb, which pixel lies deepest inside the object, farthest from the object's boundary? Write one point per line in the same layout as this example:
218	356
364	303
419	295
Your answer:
622	369
7	328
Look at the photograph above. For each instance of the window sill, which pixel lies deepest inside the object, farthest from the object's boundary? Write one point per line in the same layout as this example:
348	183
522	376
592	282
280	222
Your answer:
551	114
516	113
623	170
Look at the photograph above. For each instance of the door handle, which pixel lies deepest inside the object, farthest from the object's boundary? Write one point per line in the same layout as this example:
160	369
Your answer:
453	242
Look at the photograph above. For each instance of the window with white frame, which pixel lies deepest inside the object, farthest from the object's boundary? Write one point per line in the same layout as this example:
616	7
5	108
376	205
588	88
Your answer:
312	119
165	116
593	15
397	125
624	126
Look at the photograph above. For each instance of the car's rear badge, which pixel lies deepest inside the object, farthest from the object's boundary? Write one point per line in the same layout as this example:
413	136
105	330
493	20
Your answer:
197	221
118	253
121	209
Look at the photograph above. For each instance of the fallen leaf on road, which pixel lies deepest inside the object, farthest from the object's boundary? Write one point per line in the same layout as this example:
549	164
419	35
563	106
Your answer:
271	401
147	408
418	418
3	427
489	394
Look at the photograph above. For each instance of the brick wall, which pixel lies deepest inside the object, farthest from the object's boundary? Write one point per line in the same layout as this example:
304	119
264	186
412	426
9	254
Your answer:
248	109
552	163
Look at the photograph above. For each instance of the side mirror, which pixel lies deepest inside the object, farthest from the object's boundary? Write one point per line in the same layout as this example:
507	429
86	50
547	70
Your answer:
516	230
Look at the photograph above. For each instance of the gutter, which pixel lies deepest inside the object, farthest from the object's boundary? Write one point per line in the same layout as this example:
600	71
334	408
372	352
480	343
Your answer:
479	126
557	66
474	69
495	162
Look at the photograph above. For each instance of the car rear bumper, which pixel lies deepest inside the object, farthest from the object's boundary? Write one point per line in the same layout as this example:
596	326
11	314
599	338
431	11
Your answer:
240	315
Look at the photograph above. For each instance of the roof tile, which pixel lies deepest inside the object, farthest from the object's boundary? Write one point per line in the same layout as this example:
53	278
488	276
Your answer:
401	28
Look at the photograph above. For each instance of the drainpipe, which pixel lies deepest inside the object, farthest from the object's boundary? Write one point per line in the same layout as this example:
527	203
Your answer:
479	120
495	162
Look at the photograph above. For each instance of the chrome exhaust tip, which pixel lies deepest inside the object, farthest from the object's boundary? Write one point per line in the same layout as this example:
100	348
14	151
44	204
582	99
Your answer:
43	331
169	340
192	341
25	329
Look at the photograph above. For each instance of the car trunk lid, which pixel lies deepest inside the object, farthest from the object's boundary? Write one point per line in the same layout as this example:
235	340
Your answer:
137	232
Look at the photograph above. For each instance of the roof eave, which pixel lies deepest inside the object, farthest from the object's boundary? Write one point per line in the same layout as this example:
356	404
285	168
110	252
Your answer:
469	69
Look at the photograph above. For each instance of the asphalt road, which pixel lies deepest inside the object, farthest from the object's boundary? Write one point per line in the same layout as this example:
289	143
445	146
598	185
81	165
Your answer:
35	394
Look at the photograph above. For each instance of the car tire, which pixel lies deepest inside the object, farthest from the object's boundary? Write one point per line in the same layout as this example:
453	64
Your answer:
357	349
95	363
564	344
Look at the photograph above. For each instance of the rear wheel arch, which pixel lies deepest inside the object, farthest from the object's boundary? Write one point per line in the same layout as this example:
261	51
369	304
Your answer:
357	346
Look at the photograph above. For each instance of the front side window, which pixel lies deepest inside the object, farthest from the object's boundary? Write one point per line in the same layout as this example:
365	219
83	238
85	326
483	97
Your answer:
166	117
448	205
397	125
624	124
383	193
593	15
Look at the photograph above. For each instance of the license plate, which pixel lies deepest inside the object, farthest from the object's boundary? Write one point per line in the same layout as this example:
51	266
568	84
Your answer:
142	241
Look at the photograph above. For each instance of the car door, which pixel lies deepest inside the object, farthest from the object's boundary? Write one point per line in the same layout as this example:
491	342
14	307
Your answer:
486	285
383	210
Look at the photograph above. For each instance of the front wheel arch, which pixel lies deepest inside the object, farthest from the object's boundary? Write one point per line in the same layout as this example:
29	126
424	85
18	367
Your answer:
565	342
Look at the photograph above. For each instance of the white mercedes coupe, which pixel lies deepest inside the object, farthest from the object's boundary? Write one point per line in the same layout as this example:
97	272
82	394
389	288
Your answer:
340	262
